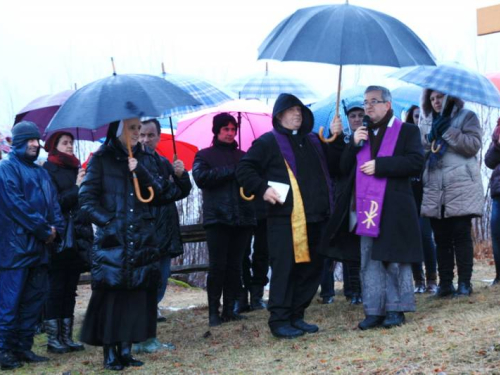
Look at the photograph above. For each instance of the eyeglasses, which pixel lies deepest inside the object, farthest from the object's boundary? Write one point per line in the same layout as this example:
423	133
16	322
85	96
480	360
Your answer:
373	102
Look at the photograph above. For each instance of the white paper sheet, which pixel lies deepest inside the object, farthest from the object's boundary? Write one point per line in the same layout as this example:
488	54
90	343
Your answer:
281	188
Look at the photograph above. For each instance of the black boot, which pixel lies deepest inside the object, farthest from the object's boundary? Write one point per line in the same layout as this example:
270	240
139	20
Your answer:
214	319
256	300
125	355
356	299
228	314
445	289
8	360
287	332
67	336
54	343
432	283
464	289
29	357
241	304
111	359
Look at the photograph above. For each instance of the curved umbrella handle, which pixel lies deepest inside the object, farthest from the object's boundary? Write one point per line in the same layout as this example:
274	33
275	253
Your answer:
435	150
242	194
136	181
326	140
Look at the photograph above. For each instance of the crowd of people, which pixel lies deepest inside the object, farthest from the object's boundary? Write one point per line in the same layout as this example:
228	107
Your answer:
386	199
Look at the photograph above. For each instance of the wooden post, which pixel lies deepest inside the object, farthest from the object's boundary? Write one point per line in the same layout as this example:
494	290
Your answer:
488	20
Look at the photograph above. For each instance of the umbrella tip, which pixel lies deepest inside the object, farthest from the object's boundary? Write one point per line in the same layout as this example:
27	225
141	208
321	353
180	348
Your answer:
113	66
163	69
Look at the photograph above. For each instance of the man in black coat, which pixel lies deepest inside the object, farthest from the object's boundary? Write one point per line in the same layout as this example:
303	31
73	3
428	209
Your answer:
384	156
168	228
292	157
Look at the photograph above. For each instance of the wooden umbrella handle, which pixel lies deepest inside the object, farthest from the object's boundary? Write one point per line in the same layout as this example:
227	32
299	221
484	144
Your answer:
326	140
435	150
242	194
137	188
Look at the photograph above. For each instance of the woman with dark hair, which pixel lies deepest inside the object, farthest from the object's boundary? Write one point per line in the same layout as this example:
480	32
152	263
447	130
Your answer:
125	269
427	282
453	189
228	218
65	266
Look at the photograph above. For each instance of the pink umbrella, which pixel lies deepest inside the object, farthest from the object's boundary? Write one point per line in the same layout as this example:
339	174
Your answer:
256	119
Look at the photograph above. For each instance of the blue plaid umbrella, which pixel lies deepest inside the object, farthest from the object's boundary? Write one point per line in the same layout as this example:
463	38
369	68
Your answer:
452	79
269	85
207	94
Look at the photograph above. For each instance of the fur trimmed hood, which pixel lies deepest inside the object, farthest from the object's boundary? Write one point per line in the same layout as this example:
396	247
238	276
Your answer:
426	107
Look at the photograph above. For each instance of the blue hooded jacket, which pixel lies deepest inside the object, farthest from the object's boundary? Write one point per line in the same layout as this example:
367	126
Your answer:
28	210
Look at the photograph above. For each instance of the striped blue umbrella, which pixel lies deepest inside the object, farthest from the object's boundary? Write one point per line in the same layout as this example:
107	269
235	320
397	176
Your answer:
454	80
203	91
269	85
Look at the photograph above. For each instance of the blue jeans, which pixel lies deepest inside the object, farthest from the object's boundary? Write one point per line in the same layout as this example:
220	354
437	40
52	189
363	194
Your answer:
495	232
165	274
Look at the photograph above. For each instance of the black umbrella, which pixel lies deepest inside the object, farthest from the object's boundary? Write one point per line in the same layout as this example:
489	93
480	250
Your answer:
343	35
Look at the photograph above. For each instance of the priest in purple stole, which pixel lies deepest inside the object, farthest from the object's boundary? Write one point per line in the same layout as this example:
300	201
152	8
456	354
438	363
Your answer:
293	156
385	155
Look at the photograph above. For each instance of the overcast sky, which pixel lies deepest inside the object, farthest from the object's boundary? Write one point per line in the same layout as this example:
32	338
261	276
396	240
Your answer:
51	45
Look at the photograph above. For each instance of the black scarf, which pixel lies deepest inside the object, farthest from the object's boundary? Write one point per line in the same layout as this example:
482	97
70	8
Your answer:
376	139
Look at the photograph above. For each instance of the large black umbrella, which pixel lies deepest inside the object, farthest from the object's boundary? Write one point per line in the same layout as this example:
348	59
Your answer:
343	35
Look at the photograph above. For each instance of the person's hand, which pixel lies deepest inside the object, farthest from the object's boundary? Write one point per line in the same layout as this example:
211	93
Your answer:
178	167
132	164
80	176
52	236
361	134
336	126
368	167
272	196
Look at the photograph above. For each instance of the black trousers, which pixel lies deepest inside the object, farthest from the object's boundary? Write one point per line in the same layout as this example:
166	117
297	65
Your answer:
255	268
454	240
226	247
61	300
293	285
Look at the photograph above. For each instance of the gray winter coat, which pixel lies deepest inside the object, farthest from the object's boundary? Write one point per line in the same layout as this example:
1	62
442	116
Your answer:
456	181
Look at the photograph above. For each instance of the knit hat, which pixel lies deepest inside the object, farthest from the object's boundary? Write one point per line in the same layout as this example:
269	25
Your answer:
23	131
220	120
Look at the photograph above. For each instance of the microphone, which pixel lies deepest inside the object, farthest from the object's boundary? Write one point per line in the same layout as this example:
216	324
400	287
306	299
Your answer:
366	124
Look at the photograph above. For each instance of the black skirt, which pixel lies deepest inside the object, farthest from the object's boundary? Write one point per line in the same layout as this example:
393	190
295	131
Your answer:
115	316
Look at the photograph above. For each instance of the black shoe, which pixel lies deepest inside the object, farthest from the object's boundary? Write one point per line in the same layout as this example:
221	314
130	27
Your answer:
29	357
328	300
125	355
111	359
228	314
287	332
393	319
214	320
241	305
256	298
445	290
464	290
371	321
419	287
159	317
356	299
307	328
496	281
67	335
8	360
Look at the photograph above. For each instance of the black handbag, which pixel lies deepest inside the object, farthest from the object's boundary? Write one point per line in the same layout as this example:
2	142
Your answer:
68	240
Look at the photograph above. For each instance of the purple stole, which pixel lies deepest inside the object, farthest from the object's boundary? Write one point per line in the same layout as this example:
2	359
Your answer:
289	156
370	190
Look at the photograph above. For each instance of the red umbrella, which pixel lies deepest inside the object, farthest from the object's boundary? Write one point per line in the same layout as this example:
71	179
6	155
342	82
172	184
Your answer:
185	151
495	78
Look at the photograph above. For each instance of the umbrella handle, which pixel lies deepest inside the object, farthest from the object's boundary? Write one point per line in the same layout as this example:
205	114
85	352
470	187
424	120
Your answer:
136	181
435	150
242	194
326	140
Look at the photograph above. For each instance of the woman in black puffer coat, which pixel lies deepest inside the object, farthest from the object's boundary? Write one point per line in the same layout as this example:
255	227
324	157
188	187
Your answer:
125	255
65	266
227	218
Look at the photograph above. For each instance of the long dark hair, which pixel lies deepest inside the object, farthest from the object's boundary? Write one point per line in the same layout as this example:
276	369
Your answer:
409	115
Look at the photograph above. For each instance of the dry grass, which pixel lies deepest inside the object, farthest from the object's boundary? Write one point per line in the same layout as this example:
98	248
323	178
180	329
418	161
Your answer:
452	336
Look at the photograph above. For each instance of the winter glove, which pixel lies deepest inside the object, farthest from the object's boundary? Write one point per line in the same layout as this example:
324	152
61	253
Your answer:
440	125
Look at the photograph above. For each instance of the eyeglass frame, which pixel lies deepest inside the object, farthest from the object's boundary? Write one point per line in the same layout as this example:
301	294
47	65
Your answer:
373	102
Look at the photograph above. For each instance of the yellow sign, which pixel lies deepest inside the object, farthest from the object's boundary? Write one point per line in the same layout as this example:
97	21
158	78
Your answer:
371	215
488	20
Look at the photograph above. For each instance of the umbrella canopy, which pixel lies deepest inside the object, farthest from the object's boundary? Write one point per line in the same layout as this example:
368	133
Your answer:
256	119
119	97
345	34
206	93
269	85
452	79
185	151
495	78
